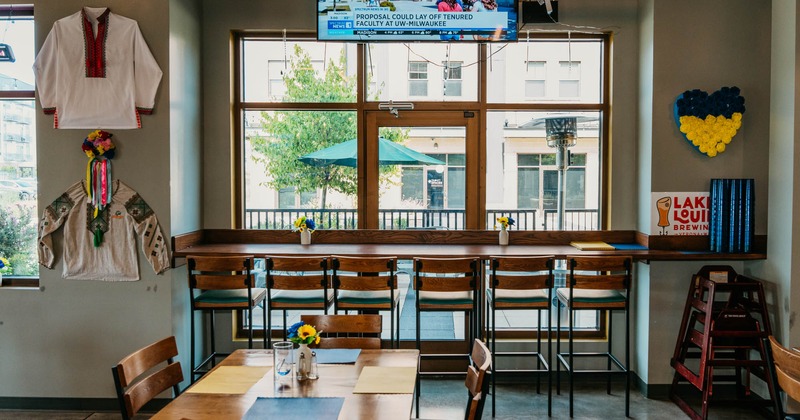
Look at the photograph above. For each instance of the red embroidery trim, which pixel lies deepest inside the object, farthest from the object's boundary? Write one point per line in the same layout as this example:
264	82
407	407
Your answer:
95	47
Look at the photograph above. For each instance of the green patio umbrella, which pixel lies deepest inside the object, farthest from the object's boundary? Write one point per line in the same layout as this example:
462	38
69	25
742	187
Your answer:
389	153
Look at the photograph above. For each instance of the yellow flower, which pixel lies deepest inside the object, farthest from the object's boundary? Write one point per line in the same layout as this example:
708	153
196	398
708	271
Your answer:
317	340
306	331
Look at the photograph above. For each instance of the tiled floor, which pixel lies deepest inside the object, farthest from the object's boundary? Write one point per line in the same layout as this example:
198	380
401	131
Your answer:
446	399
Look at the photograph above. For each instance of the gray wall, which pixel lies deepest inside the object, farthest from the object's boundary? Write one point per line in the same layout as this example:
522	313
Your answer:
782	270
61	341
186	150
719	43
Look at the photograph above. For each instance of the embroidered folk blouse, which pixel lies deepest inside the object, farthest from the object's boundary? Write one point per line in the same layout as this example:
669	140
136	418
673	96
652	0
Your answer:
95	71
127	218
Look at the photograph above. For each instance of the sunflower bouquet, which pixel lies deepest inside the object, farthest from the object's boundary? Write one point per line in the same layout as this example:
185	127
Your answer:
304	223
302	333
504	222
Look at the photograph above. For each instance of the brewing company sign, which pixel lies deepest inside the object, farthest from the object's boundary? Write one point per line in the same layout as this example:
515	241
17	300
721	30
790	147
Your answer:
679	213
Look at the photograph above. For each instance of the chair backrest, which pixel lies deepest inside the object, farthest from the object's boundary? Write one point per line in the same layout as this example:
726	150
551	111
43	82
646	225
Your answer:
220	272
297	273
787	368
347	331
521	273
446	274
364	273
600	272
133	393
477	381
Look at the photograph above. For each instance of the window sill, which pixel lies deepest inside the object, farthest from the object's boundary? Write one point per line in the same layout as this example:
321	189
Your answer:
20	283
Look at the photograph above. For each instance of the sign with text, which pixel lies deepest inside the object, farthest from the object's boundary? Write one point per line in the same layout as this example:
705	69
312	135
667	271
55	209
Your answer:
406	20
679	213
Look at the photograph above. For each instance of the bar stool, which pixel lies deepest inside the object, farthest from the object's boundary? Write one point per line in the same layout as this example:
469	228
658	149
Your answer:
521	283
600	283
446	285
367	284
221	283
296	283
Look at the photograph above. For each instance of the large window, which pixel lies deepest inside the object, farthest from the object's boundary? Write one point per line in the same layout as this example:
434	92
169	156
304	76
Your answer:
301	104
18	182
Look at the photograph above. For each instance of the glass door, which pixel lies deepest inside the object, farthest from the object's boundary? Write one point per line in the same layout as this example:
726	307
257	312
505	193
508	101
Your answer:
419	168
422	173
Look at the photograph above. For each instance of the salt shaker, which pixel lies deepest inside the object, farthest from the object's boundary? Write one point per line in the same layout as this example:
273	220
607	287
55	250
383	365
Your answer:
302	368
312	372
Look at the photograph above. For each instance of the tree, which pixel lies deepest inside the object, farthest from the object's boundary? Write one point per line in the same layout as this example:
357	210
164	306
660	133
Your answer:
18	239
291	134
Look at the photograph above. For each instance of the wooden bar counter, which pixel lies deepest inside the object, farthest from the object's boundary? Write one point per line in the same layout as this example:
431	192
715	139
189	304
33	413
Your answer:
406	244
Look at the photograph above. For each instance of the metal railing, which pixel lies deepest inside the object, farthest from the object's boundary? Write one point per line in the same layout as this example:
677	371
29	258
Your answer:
576	219
284	218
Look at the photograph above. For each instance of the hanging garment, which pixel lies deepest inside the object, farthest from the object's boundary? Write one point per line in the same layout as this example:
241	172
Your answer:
125	219
95	70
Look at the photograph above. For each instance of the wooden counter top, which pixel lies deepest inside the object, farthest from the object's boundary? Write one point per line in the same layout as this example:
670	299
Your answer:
406	244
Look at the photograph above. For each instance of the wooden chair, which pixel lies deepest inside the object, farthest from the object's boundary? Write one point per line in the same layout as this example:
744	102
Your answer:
784	374
477	381
600	283
367	284
446	285
132	391
221	283
296	283
521	283
347	331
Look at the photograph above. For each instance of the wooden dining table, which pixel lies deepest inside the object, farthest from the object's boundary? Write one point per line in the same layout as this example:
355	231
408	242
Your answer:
335	380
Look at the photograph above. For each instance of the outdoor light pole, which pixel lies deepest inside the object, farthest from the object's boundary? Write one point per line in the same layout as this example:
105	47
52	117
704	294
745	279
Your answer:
562	133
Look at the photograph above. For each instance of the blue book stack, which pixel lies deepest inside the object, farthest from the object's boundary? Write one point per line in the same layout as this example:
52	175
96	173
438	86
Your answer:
732	221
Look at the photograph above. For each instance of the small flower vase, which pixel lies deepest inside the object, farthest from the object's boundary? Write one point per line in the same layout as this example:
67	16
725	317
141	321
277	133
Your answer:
303	362
305	237
503	237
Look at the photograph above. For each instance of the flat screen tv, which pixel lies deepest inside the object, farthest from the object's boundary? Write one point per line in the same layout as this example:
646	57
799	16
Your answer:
417	20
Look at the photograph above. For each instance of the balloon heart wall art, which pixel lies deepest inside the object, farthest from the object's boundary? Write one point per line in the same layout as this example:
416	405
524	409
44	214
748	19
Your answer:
709	122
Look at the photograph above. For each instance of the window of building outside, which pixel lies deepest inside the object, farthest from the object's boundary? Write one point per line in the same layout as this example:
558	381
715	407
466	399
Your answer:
452	78
418	78
536	78
296	106
569	85
18	182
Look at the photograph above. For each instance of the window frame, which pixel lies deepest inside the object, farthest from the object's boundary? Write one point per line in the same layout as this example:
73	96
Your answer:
19	12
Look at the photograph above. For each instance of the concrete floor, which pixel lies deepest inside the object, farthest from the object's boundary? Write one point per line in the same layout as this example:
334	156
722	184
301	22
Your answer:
446	399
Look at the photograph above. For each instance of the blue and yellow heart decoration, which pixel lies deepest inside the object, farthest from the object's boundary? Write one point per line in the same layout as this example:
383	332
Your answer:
709	122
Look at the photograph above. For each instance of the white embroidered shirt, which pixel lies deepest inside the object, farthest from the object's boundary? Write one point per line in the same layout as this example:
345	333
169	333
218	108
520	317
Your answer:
95	71
127	218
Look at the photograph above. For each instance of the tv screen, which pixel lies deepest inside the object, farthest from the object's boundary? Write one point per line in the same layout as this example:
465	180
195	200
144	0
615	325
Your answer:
417	20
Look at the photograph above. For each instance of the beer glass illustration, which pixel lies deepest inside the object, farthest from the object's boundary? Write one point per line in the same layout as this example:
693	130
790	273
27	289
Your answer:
663	205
